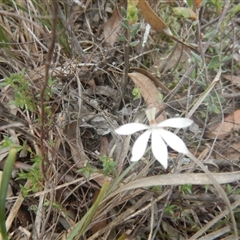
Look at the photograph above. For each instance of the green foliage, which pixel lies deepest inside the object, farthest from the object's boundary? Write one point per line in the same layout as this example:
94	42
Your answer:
136	93
231	190
157	189
22	96
7	142
218	61
166	13
132	12
187	189
206	187
87	170
6	176
160	96
235	10
108	164
218	4
63	35
80	227
34	175
129	23
213	101
3	38
55	205
171	209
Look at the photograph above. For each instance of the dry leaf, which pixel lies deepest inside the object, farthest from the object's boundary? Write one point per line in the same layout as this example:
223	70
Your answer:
232	152
234	79
156	22
221	130
148	91
112	27
151	17
198	3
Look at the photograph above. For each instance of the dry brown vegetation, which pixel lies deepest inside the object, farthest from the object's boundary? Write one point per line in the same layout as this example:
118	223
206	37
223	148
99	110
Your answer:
71	72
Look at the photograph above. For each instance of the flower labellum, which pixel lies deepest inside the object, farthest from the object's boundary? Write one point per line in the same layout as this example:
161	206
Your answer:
159	136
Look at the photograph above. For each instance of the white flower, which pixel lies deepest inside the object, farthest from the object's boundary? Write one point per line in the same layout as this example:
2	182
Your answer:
159	137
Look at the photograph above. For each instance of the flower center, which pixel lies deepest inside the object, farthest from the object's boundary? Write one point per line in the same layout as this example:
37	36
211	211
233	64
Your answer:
152	123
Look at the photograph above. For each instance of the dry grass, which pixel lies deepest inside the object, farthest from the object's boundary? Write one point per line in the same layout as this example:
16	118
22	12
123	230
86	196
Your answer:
69	90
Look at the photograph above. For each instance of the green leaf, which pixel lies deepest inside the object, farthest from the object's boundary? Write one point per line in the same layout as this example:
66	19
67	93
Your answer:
125	24
214	63
122	38
124	12
83	224
196	56
134	44
6	176
134	29
213	32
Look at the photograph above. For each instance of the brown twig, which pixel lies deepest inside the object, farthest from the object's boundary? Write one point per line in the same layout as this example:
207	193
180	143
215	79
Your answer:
42	101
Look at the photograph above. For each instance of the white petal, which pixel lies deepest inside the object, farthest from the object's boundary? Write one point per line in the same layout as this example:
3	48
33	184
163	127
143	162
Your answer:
176	123
151	114
173	141
131	128
140	145
159	149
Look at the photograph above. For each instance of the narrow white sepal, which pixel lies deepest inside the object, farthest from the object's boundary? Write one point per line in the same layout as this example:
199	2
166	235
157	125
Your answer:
140	146
173	141
151	114
131	128
159	149
176	123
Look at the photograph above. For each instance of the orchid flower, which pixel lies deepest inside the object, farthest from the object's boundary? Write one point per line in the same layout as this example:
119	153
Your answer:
159	137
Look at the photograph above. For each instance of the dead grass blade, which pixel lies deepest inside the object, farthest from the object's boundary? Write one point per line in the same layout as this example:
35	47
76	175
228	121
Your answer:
180	179
16	207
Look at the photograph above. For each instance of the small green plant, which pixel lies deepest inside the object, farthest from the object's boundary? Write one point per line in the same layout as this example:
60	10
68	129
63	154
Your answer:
171	210
129	23
34	174
87	170
206	187
157	189
21	94
231	190
108	164
213	101
187	188
7	142
218	4
55	205
132	12
23	98
136	93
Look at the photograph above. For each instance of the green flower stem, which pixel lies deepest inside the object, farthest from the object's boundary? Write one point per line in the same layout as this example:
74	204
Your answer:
83	224
7	171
